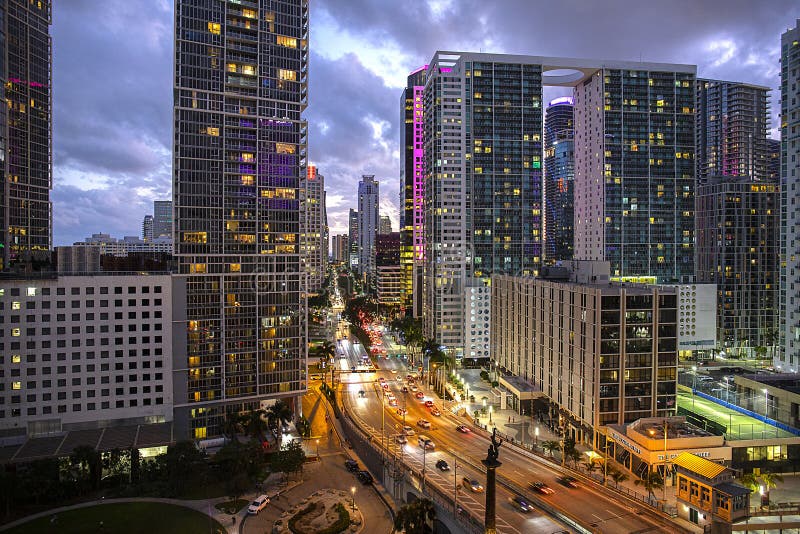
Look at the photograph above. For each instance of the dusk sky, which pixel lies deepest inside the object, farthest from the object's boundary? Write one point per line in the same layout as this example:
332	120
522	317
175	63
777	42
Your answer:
112	77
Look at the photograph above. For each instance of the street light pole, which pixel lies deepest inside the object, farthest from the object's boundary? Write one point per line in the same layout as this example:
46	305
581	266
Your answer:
353	491
694	383
455	487
666	459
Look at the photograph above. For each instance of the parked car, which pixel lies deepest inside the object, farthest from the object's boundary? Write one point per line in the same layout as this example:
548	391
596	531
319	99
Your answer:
258	504
364	477
464	429
520	503
351	465
541	487
441	465
472	484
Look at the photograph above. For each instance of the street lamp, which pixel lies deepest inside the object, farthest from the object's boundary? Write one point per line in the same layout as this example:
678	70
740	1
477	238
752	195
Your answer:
727	389
491	409
424	465
536	437
694	382
317	448
353	491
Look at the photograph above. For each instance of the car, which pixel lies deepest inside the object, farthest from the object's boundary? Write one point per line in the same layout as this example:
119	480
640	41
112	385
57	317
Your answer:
408	431
316	377
401	411
385	386
258	504
424	423
415	389
362	393
472	484
428	403
520	503
351	465
420	395
405	389
425	442
435	411
464	429
353	368
540	487
394	371
364	477
401	439
570	482
381	380
409	377
392	402
441	465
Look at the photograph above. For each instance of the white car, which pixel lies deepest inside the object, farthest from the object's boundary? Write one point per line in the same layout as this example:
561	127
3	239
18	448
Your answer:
408	431
257	505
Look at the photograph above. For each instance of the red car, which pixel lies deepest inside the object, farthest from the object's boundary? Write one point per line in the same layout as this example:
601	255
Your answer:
429	404
419	395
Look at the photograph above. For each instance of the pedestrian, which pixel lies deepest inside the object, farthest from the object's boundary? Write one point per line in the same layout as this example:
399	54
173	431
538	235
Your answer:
233	519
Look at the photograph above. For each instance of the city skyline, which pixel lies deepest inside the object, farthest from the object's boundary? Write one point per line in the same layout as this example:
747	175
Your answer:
110	187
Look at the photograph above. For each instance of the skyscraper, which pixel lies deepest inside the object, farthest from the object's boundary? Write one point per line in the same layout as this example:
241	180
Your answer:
732	123
240	152
26	132
773	160
559	173
790	196
385	225
352	235
147	228
634	172
341	248
412	190
162	218
368	220
313	228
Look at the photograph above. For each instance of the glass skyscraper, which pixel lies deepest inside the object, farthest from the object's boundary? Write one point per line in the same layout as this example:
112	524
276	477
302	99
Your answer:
559	172
241	85
26	132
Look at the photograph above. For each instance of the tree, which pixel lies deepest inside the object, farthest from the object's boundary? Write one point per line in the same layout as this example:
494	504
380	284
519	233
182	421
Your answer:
254	424
289	459
183	463
232	425
591	465
550	446
749	480
87	467
574	455
770	480
415	517
278	415
652	481
240	464
617	476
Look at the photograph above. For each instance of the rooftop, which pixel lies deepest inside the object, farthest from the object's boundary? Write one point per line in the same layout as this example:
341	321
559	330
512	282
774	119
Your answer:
675	429
701	466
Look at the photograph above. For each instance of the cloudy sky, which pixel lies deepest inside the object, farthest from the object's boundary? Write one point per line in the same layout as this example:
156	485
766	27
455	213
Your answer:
112	70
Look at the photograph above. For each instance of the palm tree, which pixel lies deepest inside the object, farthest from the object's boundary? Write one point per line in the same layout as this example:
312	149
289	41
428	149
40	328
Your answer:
550	446
278	415
652	481
574	455
591	465
254	424
617	476
326	351
770	480
231	425
415	517
749	480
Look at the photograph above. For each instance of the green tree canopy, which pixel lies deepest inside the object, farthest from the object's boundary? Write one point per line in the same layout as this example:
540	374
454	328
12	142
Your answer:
415	517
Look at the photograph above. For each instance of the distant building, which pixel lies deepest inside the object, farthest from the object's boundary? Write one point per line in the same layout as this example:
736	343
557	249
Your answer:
162	218
352	235
313	228
773	160
122	247
559	173
341	249
26	133
78	259
147	228
732	122
368	221
385	225
387	264
737	249
790	198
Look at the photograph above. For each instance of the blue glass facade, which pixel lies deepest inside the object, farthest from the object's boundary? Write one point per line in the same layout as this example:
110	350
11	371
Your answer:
559	171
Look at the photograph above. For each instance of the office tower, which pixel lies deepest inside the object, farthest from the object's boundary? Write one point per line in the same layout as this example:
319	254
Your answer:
352	235
558	176
313	231
368	221
241	85
790	197
732	123
162	218
773	160
147	228
385	225
341	248
26	134
737	249
412	190
484	154
635	170
387	265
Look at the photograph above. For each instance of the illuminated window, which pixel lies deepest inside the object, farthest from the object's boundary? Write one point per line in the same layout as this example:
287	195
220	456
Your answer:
16	358
199	433
249	13
247	157
197	268
16	385
210	130
284	148
235	267
214	27
231	67
31	291
289	42
15	332
289	75
195	237
15	305
248	180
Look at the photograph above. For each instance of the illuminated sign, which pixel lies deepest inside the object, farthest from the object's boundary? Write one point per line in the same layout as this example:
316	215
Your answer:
562	100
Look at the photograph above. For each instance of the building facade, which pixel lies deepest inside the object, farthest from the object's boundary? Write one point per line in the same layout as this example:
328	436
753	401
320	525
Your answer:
341	248
352	226
313	228
603	353
368	221
412	189
162	218
387	265
559	172
81	352
732	124
737	249
790	196
773	160
147	228
26	133
128	244
385	225
241	86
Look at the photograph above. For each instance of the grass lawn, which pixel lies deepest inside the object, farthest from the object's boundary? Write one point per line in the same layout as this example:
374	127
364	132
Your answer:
231	507
124	518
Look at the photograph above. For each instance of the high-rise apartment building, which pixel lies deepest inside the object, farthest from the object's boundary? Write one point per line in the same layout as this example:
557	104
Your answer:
790	197
634	172
387	266
352	235
559	173
241	86
737	249
147	228
368	221
773	160
162	218
313	228
412	189
732	123
26	133
385	225
341	248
